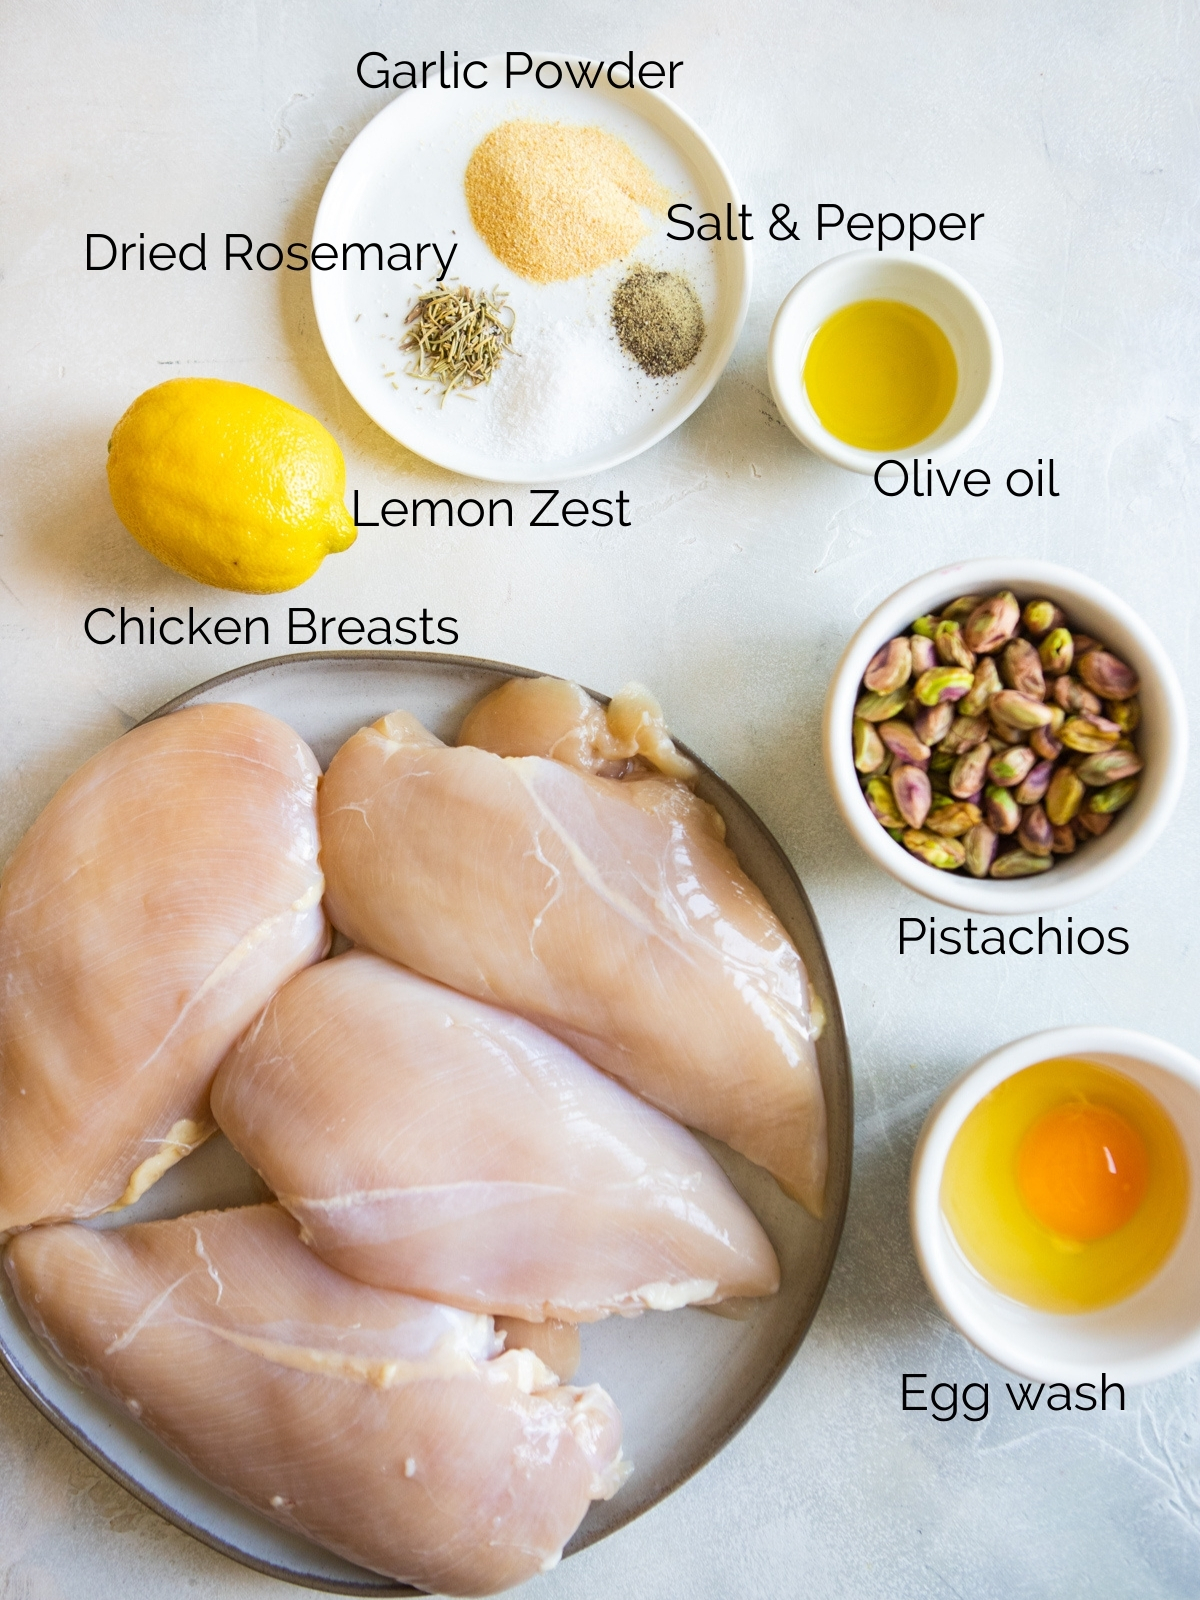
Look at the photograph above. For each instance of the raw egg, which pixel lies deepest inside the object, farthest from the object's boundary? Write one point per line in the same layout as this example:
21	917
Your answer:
880	375
1067	1186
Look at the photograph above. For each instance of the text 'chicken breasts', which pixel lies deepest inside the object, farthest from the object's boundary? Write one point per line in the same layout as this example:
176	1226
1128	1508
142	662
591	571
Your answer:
390	1429
430	1142
160	899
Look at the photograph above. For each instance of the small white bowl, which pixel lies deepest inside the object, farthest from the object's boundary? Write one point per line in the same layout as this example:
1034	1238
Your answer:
1148	1335
919	281
1162	738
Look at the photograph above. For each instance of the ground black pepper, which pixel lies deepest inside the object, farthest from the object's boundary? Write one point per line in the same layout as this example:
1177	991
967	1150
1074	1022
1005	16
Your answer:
658	320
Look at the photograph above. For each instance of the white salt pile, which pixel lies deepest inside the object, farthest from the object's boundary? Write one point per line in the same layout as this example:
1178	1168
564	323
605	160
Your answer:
565	390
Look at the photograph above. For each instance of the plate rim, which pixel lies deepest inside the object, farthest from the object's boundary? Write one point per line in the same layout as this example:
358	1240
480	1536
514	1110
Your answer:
833	1219
322	296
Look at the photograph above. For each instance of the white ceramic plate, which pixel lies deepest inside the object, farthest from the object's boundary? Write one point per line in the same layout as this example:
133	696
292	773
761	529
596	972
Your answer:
401	181
684	1381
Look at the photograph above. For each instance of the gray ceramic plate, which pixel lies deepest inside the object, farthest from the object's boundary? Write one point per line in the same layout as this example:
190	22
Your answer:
685	1382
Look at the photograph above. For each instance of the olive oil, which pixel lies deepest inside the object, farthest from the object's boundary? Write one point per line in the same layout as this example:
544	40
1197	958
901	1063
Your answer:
880	375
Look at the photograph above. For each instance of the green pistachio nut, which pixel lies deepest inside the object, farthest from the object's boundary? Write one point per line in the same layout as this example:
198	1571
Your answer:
992	624
1107	802
1021	669
952	818
959	610
948	642
1020	864
913	794
1010	708
1040	616
932	723
1127	714
883	803
1091	824
889	668
881	707
942	760
1056	652
1107	675
969	771
980	843
1036	833
1088	733
946	854
984	685
923	654
1033	786
902	740
1068	693
1001	809
1064	796
869	753
1045	744
924	626
1108	766
941	685
1010	767
965	733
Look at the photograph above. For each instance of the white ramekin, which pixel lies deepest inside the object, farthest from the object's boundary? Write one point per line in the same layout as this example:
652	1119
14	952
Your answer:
919	281
1148	1335
1162	738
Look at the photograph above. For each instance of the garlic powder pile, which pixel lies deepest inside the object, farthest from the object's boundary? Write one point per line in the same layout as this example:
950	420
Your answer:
555	200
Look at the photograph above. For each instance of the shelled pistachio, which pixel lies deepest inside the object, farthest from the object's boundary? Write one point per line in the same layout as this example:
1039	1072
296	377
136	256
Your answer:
1088	733
991	738
912	794
933	723
1104	802
890	668
980	844
948	642
1064	795
952	818
1040	616
901	739
869	752
947	854
1020	864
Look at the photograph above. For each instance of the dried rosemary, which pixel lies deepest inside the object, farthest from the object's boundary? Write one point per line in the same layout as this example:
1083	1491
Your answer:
458	336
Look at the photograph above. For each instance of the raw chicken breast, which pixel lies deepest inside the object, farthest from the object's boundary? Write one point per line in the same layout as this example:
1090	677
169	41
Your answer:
157	903
553	718
610	913
429	1142
386	1428
556	1344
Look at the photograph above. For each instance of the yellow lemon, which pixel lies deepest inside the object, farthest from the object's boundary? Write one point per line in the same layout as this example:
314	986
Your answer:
229	485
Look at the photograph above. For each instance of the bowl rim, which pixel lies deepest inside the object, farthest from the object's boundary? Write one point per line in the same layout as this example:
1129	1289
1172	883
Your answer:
1016	896
674	124
930	1235
786	345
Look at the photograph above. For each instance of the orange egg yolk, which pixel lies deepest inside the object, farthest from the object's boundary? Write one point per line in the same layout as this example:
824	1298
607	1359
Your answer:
1082	1171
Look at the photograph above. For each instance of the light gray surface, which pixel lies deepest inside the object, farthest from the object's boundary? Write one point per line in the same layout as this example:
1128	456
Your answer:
749	563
